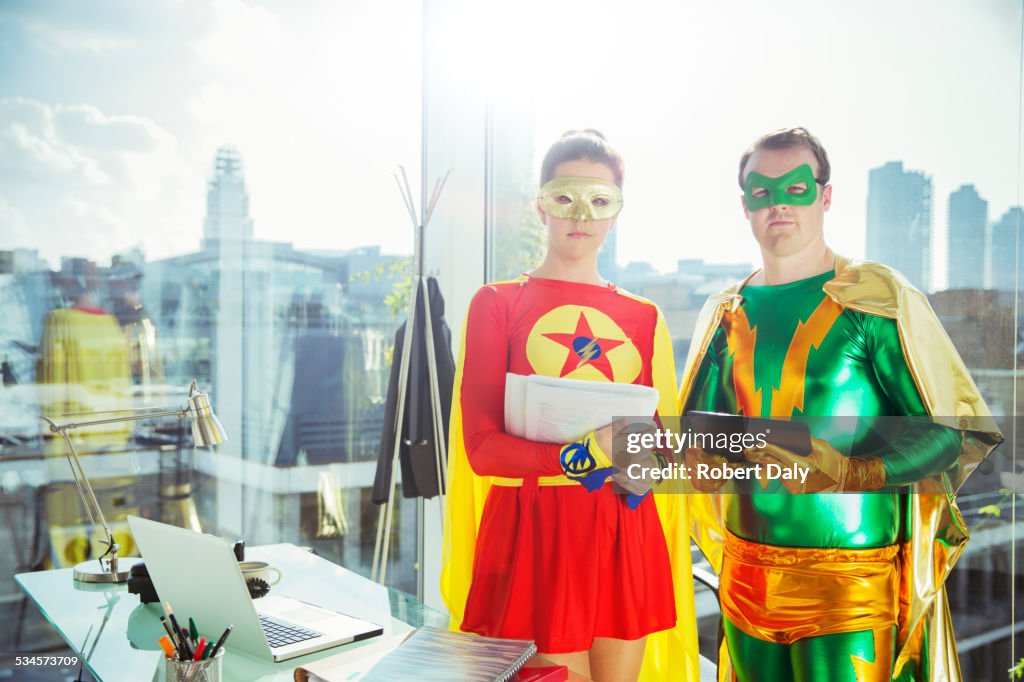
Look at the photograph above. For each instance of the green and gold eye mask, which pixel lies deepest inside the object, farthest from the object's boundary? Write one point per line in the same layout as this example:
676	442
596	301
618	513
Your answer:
798	187
580	199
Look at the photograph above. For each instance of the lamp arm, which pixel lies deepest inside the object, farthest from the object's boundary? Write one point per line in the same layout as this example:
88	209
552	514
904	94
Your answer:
180	413
85	491
83	485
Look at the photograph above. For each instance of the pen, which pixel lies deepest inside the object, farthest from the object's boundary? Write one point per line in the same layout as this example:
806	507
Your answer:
193	630
165	644
200	646
185	643
183	649
220	642
167	626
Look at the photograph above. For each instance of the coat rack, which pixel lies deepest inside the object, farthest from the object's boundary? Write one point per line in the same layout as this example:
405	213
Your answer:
380	554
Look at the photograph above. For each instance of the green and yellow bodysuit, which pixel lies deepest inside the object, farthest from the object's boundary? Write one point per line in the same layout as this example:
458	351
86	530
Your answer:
817	586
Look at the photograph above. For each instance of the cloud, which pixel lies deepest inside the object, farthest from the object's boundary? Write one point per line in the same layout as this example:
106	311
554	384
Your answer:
76	180
31	148
79	143
62	40
86	126
61	28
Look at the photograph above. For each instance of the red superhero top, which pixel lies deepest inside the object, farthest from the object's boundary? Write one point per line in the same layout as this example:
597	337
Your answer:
553	328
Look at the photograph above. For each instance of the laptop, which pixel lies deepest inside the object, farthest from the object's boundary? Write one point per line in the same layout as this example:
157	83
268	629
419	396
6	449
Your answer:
200	578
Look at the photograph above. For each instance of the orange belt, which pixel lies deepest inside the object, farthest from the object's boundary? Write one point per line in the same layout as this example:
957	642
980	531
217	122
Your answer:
782	594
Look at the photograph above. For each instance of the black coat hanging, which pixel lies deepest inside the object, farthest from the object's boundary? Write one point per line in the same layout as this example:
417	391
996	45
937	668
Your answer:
417	449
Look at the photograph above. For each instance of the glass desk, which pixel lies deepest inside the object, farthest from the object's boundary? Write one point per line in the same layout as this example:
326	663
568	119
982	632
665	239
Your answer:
116	636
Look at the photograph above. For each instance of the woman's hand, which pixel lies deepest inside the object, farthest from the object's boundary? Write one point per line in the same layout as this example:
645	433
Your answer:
586	462
605	437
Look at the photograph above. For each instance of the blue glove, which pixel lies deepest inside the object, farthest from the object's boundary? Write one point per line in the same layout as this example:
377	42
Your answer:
585	463
633	500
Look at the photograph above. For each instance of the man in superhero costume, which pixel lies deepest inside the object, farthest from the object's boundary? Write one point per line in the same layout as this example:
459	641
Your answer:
819	586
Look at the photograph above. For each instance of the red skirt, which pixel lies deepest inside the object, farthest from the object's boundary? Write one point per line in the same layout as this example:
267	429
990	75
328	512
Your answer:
561	566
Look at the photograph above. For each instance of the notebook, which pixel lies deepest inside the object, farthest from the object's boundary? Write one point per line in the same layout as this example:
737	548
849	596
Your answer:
199	575
553	410
433	655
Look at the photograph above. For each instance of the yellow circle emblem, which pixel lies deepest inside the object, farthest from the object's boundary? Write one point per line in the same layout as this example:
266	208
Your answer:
579	342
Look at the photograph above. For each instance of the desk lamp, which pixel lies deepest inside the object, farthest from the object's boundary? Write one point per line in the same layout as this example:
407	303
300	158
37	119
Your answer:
206	430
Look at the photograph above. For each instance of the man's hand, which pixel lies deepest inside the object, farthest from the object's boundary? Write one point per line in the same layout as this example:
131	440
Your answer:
828	470
704	484
615	438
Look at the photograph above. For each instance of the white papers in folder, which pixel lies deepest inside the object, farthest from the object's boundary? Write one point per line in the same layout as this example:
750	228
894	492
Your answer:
554	410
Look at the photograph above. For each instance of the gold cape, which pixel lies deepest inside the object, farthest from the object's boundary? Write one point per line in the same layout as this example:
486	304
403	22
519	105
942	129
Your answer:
938	533
669	654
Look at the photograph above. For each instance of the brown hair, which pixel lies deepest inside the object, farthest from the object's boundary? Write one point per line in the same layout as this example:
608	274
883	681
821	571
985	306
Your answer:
787	138
575	145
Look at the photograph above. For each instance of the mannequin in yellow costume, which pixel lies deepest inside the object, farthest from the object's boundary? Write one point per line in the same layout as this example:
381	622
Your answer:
83	367
851	585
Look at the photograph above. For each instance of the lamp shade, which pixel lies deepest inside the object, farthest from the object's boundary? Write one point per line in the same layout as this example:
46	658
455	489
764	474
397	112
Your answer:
206	428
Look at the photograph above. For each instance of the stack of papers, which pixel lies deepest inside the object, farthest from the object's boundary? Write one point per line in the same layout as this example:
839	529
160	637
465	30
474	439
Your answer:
553	410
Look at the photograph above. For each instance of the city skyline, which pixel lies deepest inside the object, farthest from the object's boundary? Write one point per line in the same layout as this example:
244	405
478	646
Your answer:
227	195
108	116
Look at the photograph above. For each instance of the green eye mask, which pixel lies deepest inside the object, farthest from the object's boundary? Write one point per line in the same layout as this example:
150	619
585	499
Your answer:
582	199
797	188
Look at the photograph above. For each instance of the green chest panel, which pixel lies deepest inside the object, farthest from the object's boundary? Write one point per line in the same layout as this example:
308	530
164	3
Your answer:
790	351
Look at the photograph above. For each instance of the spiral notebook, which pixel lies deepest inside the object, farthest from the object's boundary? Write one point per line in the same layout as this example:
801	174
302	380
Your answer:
434	655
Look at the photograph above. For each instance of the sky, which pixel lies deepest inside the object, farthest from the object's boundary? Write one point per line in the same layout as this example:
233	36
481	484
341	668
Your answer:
111	111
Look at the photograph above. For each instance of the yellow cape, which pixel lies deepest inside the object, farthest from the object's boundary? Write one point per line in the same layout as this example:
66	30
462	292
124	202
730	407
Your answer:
948	392
670	654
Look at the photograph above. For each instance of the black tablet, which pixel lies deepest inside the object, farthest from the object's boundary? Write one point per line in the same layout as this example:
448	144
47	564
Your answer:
729	434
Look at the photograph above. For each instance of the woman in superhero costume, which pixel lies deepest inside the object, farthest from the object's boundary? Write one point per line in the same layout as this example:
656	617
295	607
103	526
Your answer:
538	544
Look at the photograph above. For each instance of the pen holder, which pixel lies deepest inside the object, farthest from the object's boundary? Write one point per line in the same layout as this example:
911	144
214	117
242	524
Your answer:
194	671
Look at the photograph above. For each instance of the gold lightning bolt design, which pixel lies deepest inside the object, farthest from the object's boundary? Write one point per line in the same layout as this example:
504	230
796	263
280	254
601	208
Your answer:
741	339
789	396
587	353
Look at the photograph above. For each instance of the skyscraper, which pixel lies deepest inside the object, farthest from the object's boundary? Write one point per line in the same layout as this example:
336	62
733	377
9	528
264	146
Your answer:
1007	250
968	220
227	201
899	221
239	366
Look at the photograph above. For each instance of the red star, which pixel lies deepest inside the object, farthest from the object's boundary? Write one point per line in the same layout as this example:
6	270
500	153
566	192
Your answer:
585	349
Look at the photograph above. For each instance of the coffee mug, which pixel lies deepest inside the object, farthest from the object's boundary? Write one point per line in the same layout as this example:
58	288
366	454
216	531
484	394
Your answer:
261	570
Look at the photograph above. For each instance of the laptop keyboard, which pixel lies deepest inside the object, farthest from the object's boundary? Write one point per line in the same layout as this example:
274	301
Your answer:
282	634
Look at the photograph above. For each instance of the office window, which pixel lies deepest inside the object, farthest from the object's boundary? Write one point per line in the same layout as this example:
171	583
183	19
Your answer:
924	178
204	193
